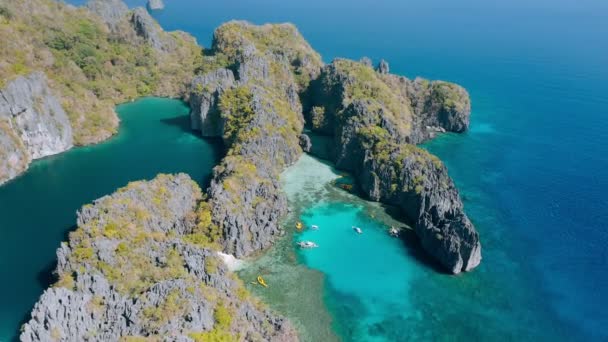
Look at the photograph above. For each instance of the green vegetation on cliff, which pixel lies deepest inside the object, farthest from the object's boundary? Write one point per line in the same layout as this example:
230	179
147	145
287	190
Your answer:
237	111
91	68
155	244
232	38
260	116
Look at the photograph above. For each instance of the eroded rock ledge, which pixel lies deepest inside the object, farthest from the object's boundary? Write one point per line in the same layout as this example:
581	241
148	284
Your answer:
32	124
250	92
142	263
372	119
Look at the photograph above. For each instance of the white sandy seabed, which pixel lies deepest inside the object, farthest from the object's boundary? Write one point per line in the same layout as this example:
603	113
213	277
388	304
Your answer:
231	261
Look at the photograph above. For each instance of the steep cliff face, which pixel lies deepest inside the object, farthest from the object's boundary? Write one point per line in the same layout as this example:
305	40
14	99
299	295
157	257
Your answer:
418	183
373	119
249	95
148	28
141	264
412	111
93	58
112	12
204	101
34	125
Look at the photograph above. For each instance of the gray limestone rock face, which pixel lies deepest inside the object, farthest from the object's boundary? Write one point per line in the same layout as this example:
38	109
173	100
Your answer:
156	4
305	143
440	104
205	92
245	195
418	183
366	61
111	12
133	273
33	123
146	27
383	67
249	212
374	142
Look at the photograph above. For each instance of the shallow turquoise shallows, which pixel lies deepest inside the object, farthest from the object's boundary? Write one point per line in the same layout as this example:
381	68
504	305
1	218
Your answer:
39	208
369	274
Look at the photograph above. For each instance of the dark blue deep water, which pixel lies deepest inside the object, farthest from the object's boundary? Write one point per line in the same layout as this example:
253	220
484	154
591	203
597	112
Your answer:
533	167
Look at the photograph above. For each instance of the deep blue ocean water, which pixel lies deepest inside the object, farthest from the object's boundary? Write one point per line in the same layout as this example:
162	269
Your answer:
532	168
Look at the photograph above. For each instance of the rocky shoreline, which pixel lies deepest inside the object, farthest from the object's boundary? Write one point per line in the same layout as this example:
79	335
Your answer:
371	117
62	77
136	267
143	261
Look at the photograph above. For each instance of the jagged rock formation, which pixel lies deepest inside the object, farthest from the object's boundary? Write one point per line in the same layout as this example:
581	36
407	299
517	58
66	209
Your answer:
249	95
140	265
373	119
204	101
360	109
112	12
383	67
146	27
93	58
33	124
156	5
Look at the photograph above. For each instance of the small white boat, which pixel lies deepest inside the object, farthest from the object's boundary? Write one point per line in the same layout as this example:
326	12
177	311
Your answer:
307	244
314	227
393	232
358	230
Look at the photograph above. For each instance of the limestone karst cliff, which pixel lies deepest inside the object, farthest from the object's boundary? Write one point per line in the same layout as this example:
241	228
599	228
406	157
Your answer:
248	94
92	58
32	124
373	119
141	265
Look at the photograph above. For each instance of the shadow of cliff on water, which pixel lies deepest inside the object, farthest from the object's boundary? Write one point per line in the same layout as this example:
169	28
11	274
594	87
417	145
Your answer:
183	123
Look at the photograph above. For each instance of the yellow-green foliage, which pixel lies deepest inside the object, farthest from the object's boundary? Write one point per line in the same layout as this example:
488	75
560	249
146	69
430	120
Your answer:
90	69
236	108
66	280
367	85
279	39
206	233
211	264
318	117
449	95
172	306
132	270
221	329
244	172
390	154
212	62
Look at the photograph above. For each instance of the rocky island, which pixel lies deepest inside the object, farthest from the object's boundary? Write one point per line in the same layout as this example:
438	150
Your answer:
372	117
143	262
63	70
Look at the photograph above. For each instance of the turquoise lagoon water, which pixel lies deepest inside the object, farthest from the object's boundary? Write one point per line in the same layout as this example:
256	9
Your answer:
531	170
39	208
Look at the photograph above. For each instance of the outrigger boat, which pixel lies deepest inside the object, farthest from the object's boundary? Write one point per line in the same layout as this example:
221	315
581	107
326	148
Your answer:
358	230
307	244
